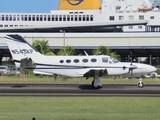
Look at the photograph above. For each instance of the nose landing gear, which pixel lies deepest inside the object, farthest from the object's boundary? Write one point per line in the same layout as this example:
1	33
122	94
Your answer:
140	83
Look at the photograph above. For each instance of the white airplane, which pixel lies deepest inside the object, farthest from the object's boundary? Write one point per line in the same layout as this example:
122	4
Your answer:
26	56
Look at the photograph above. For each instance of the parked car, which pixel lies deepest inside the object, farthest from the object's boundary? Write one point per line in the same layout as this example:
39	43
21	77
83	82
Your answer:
15	71
4	70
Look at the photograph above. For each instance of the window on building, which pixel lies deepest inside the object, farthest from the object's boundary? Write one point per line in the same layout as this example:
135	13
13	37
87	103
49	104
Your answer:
37	17
130	27
131	17
111	17
121	17
91	18
64	18
141	17
140	27
151	17
41	17
33	17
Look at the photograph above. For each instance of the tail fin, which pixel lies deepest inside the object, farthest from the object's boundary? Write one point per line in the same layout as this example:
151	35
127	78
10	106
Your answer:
21	49
79	4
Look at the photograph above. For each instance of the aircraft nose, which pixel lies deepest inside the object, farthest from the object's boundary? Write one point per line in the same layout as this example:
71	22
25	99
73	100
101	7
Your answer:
153	69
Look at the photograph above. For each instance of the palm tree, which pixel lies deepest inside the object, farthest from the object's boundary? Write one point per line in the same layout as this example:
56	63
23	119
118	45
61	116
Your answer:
103	50
66	51
42	47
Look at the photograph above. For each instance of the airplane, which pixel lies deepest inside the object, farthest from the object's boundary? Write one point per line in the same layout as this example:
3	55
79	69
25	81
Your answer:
26	56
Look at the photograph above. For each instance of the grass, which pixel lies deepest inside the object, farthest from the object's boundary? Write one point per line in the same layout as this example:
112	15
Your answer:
51	80
80	108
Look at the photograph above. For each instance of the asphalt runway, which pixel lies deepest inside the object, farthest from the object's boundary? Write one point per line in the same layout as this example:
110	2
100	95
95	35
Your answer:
78	90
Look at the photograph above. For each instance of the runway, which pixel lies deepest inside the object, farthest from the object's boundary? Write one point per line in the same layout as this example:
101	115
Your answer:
78	90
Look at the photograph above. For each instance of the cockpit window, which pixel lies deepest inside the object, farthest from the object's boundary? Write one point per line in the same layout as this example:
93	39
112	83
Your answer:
105	59
114	60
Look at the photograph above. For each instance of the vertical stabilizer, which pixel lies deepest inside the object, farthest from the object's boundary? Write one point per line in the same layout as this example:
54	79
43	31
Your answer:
79	4
21	49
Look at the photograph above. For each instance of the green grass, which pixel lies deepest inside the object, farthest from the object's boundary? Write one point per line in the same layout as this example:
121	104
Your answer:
51	80
80	108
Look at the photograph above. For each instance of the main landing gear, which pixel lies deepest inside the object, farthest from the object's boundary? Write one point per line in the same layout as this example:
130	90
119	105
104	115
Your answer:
140	83
96	83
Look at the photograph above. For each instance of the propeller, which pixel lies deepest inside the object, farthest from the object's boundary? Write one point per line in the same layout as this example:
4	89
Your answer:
131	69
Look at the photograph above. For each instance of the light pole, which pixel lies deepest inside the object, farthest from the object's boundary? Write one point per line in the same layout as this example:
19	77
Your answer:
62	31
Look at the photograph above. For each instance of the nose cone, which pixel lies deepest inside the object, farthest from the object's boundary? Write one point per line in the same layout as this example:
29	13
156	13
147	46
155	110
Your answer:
153	68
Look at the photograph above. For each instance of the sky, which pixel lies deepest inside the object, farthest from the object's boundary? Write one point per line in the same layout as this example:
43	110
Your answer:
28	6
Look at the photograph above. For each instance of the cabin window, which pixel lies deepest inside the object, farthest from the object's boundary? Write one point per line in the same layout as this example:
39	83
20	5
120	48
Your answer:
52	17
139	27
84	19
68	61
6	17
33	18
131	17
5	25
71	17
80	19
121	17
41	18
76	61
37	17
2	17
75	17
56	19
91	18
105	59
24	19
151	17
10	18
49	18
141	17
61	61
93	60
130	27
60	18
1	25
68	18
111	17
85	60
45	18
29	17
64	18
87	17
14	17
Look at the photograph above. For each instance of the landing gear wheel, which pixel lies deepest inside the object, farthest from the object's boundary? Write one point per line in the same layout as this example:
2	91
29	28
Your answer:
140	84
95	87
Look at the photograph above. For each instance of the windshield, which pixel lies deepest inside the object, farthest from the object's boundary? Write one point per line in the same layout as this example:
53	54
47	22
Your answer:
114	60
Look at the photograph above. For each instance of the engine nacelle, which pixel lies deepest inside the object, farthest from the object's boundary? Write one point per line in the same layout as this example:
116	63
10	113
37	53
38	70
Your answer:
27	63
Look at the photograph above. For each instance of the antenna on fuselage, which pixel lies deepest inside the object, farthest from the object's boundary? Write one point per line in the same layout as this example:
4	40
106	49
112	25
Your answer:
86	53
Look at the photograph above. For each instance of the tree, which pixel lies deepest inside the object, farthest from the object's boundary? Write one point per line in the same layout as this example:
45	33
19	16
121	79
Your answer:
102	50
42	47
66	51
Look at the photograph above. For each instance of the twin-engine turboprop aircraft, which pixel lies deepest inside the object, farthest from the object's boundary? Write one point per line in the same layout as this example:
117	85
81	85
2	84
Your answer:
26	56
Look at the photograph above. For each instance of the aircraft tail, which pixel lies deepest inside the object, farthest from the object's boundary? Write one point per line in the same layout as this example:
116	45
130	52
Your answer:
79	4
22	51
